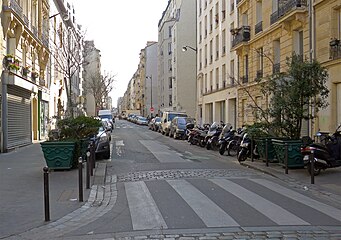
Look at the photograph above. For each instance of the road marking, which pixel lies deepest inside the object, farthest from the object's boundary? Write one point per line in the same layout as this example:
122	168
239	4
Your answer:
276	213
143	210
321	207
211	214
162	152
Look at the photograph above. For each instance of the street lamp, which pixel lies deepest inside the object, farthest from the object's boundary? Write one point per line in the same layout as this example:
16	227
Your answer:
185	48
151	94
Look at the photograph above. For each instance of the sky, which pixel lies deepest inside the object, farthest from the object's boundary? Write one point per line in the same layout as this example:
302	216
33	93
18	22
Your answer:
120	29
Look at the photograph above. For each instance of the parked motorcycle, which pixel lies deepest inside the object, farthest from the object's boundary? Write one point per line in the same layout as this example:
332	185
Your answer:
212	136
245	149
326	155
196	135
224	138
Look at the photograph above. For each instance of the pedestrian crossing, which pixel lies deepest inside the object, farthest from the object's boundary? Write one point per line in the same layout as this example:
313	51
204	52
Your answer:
222	202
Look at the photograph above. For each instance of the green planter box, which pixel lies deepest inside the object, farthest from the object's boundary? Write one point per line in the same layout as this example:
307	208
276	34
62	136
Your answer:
58	155
261	147
295	158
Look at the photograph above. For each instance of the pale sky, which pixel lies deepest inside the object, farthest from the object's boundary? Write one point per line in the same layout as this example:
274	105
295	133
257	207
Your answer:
120	29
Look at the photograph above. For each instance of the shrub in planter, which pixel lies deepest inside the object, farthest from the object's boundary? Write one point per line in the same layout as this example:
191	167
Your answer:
72	130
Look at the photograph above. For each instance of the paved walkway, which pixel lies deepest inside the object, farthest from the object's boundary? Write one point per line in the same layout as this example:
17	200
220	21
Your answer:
22	212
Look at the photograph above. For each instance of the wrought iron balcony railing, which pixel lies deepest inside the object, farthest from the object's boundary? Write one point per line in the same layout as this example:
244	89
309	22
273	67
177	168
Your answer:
335	49
259	27
240	35
285	6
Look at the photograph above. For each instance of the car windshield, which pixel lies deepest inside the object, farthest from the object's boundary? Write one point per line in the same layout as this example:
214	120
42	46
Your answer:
157	119
143	118
171	116
182	121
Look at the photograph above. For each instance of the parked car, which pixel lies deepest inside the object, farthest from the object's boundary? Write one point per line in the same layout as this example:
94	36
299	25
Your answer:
142	120
177	128
154	124
102	142
166	119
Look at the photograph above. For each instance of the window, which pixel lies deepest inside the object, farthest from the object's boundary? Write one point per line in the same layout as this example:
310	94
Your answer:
246	68
223	75
205	55
298	42
216	16
211	51
217	78
217	47
260	56
170	82
223	42
274	6
169	48
200	31
200	59
339	23
232	77
211	20
211	81
258	11
169	65
170	31
205	82
205	26
223	10
277	56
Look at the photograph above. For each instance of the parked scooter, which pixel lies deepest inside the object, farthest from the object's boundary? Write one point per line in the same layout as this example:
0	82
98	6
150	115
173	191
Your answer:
196	136
225	137
326	155
212	136
245	149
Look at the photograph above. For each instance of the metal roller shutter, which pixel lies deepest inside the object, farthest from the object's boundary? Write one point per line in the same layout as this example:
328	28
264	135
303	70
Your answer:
19	117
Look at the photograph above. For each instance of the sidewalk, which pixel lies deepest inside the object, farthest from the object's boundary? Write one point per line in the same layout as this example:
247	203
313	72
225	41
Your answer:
22	194
327	183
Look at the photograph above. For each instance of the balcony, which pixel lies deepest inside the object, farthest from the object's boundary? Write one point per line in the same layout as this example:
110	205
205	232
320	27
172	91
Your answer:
276	68
240	35
14	6
335	49
286	6
259	27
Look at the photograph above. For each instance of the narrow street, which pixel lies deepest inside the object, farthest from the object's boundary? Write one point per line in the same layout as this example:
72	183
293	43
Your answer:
168	186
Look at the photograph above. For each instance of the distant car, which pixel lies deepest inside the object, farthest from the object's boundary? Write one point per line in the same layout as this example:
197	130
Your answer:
108	124
157	124
177	128
102	142
142	120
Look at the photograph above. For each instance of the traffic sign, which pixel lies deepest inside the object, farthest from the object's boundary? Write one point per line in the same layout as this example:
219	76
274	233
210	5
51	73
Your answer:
151	109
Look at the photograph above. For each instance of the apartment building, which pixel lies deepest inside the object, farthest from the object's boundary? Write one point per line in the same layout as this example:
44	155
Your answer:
327	36
267	32
92	70
216	63
25	81
151	106
177	69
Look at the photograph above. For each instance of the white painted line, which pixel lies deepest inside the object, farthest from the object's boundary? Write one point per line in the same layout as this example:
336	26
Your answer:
143	210
321	207
276	213
210	213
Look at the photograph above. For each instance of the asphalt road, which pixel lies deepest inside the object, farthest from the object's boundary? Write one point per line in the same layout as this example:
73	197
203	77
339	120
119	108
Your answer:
167	184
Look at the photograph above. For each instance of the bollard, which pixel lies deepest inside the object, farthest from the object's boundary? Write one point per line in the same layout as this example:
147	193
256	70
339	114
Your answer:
46	194
80	178
91	159
252	149
266	152
87	170
286	158
312	167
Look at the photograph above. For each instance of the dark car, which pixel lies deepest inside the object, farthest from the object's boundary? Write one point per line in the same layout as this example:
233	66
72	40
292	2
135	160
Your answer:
102	142
177	128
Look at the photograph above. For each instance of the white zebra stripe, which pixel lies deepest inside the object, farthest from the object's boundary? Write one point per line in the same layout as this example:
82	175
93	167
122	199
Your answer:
321	207
143	210
211	214
269	209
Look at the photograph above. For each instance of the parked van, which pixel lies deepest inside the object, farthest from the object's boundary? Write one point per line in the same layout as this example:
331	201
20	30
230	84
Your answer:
166	119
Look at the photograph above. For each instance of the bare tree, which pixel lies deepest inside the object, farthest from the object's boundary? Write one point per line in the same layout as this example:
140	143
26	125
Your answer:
66	51
99	86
